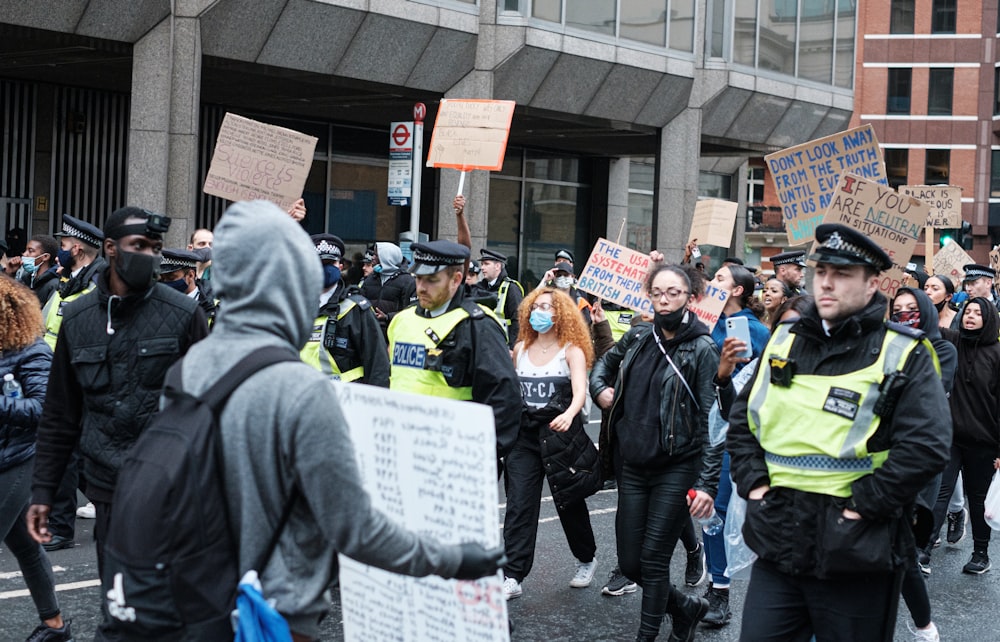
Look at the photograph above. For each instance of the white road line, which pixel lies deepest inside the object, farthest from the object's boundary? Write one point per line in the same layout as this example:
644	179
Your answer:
72	586
599	511
14	574
548	498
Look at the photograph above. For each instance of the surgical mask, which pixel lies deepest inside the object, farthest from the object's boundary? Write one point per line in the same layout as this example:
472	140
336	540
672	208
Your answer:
377	269
66	260
910	318
541	321
564	282
29	264
331	276
669	321
138	271
181	285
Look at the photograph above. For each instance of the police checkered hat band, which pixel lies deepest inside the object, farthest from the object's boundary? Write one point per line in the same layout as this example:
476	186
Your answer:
430	258
328	250
789	258
82	230
974	271
837	244
177	259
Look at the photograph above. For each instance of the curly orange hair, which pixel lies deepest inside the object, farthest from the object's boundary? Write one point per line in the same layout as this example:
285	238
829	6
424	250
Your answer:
568	322
20	316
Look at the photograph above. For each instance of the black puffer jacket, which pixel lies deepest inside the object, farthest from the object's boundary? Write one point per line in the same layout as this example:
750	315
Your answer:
19	417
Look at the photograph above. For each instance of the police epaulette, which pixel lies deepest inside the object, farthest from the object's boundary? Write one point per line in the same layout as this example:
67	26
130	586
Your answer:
473	309
905	330
360	301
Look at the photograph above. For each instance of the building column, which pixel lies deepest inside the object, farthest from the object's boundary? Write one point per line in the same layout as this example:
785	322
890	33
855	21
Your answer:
618	181
163	126
677	182
740	237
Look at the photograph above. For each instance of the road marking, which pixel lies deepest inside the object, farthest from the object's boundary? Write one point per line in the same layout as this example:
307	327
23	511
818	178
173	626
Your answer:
548	498
13	574
72	586
599	511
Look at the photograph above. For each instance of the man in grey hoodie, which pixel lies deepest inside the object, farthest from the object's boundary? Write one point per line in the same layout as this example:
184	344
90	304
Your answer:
283	428
392	288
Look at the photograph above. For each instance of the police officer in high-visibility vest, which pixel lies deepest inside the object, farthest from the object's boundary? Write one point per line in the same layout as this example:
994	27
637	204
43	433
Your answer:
346	341
449	346
509	292
80	262
179	270
842	425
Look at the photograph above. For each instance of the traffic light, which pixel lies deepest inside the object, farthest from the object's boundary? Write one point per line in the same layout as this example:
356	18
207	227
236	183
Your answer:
961	235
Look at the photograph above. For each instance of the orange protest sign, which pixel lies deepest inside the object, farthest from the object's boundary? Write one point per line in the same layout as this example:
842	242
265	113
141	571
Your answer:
471	134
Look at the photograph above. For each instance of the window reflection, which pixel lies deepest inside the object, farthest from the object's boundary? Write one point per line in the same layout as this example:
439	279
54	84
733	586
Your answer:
682	25
592	15
844	63
745	34
644	20
816	41
777	35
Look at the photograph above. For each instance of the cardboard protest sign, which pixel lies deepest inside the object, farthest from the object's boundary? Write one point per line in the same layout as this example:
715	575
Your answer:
945	202
471	134
429	464
713	222
949	261
890	219
805	176
255	160
709	308
616	273
995	262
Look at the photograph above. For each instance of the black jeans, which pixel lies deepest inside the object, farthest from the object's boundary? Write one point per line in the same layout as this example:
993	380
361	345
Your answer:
790	608
62	514
976	464
524	477
652	510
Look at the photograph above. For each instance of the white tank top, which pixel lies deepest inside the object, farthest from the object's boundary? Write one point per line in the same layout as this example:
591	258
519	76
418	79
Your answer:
538	383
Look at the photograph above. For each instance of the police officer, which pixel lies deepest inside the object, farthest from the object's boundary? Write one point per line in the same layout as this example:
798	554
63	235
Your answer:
789	268
179	270
978	281
449	346
346	342
831	442
509	292
80	261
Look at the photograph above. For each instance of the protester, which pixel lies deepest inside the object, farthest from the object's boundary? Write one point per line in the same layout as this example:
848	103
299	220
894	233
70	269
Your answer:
391	289
39	265
202	239
940	289
775	293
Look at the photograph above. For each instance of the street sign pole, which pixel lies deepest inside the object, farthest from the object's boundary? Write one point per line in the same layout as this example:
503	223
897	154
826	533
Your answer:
419	112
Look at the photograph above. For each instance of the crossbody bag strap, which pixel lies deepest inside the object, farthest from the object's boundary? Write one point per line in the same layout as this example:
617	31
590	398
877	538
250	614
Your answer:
659	344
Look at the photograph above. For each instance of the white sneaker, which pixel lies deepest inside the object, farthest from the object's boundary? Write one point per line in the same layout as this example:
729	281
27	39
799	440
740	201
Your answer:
511	588
584	574
86	512
930	634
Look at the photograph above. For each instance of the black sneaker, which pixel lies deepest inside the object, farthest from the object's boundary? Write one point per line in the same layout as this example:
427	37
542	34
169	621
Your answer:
685	617
718	607
45	633
618	584
695	572
956	526
979	564
924	561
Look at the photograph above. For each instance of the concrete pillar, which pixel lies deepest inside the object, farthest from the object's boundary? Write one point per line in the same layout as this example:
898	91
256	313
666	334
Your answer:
740	237
680	150
618	178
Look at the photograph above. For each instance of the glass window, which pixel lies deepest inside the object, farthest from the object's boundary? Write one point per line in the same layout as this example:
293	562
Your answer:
641	185
938	167
555	217
512	5
901	16
843	73
513	162
681	25
745	33
717	37
644	20
943	15
995	174
359	209
996	89
593	15
550	10
898	98
816	41
778	20
504	225
544	166
714	185
939	92
896	161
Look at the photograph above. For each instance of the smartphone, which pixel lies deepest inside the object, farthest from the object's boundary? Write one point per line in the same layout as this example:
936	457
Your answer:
739	328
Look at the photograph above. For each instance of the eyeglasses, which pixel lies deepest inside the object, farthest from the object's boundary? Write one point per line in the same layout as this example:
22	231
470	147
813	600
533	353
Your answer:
544	307
670	293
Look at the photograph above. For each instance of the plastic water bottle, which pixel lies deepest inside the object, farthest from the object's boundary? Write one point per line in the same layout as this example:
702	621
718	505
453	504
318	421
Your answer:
11	388
712	525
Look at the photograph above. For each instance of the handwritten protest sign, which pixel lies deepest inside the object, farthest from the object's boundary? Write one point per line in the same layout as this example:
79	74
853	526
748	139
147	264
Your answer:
890	219
945	202
471	134
713	222
616	273
255	160
430	464
709	308
805	176
949	261
995	262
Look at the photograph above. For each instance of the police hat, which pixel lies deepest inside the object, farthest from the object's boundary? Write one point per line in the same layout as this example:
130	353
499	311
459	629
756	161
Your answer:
474	267
842	245
369	257
328	247
563	266
177	259
565	255
432	257
975	271
796	257
735	260
492	255
82	230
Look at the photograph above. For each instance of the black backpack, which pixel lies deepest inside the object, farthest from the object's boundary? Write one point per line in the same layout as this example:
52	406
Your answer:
170	556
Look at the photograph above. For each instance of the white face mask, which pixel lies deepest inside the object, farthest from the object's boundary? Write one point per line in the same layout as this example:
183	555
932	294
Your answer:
564	282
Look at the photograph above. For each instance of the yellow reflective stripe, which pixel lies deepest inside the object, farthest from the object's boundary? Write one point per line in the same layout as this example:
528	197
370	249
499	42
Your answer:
778	346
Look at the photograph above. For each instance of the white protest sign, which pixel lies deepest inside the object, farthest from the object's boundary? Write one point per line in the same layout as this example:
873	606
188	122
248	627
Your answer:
429	464
255	160
995	263
949	262
709	308
713	222
945	202
616	273
471	134
805	176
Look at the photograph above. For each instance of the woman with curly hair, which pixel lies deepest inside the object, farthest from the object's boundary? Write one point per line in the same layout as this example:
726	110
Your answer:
551	356
25	355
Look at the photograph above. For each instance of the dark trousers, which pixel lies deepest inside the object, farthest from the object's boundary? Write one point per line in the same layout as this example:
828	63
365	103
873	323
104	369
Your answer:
915	595
976	464
652	511
62	515
524	475
102	520
785	608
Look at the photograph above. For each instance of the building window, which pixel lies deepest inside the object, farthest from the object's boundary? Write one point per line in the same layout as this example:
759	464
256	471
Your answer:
995	174
901	16
594	15
641	186
896	161
898	100
663	23
943	15
938	167
939	92
996	89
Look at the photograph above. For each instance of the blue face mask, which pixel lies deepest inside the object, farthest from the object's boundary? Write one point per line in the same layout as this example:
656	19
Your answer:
377	269
331	276
65	258
29	265
541	321
180	285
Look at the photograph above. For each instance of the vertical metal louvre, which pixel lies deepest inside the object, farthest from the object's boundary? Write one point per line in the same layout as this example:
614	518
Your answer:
89	153
209	208
17	154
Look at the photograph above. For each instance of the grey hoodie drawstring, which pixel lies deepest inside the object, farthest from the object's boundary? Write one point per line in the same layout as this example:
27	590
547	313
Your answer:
110	299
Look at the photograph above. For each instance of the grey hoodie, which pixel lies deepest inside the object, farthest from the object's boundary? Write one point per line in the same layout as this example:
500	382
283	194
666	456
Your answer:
284	426
390	257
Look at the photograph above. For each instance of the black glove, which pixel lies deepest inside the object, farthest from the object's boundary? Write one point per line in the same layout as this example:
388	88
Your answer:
478	562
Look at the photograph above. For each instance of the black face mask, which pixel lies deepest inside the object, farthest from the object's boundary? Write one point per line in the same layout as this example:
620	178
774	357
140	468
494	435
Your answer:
669	321
940	306
138	271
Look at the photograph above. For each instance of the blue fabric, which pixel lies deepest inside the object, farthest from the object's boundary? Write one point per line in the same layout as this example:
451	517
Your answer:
715	545
759	334
258	621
